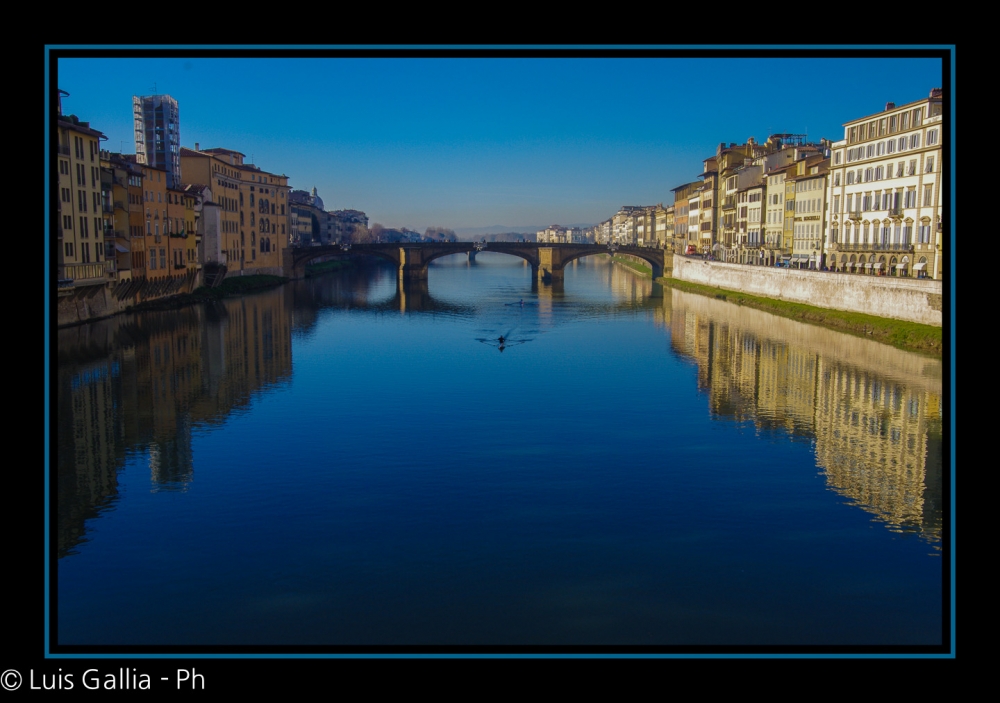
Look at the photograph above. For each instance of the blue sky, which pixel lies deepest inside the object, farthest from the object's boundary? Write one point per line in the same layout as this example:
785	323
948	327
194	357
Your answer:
472	142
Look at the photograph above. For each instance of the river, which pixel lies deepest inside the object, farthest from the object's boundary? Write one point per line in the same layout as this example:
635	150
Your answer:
338	463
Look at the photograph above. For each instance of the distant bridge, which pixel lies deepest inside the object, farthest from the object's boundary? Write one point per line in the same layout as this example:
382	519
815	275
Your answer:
547	260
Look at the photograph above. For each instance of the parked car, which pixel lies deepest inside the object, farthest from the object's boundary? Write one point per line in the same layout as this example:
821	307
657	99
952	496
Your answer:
691	249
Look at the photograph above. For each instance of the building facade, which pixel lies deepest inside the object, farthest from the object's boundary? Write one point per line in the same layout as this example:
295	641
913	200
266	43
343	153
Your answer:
80	243
885	192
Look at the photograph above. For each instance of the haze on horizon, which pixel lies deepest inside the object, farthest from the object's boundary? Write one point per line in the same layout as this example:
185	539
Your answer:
469	143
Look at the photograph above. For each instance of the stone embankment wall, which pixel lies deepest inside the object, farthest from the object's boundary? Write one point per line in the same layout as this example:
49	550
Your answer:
86	303
913	300
262	271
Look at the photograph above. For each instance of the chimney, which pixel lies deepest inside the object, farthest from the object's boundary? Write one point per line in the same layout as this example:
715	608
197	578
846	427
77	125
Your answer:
937	92
196	146
890	106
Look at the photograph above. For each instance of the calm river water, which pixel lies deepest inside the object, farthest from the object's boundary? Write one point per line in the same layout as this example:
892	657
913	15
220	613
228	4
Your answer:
338	463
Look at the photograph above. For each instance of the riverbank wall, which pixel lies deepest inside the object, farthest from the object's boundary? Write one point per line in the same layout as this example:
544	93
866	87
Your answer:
909	299
78	304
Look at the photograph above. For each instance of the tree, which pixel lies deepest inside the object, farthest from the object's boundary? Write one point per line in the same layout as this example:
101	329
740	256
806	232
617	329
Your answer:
441	234
361	234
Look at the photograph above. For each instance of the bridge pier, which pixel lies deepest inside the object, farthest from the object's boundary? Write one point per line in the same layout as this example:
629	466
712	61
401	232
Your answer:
412	265
550	264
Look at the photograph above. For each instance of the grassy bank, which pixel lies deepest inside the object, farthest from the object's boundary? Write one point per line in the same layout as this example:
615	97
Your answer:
637	267
910	336
229	288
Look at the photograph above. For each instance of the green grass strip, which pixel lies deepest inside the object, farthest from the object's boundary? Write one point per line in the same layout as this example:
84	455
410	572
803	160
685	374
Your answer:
911	336
633	265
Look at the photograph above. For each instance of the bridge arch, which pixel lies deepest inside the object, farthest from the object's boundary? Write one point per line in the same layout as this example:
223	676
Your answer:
529	256
301	257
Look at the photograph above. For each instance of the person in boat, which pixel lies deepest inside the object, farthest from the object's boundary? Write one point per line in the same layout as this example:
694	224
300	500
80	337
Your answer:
501	339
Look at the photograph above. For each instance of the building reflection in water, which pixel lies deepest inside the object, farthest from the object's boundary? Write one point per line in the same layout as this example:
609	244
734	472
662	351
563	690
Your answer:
140	383
873	413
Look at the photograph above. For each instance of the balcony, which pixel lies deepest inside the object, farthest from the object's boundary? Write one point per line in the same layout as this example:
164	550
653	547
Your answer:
872	246
64	150
896	211
84	274
854	215
120	205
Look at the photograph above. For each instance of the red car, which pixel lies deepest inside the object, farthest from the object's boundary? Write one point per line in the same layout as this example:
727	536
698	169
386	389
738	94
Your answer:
691	249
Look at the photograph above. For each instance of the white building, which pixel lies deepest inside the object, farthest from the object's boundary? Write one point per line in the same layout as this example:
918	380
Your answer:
885	192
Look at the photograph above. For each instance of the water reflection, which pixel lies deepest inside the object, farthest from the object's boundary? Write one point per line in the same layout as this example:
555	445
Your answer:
873	413
138	384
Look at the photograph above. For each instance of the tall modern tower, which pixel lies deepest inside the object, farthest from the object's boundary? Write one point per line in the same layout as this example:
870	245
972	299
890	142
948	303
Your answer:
158	134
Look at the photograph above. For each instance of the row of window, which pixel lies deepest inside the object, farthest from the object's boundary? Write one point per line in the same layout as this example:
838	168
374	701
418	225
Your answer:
886	234
900	121
886	200
879	173
887	147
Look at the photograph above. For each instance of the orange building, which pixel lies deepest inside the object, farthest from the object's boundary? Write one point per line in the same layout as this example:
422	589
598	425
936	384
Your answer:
255	216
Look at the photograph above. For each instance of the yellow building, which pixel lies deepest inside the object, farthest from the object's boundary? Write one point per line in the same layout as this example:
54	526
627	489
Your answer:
255	215
182	246
81	255
124	215
155	212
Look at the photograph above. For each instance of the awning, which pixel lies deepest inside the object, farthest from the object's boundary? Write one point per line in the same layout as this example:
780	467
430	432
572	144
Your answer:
868	265
920	267
120	248
848	264
900	266
877	266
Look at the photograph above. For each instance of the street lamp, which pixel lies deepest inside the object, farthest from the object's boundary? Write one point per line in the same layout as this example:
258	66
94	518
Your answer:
480	245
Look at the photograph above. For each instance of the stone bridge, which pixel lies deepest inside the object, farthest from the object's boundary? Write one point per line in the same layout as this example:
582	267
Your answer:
547	260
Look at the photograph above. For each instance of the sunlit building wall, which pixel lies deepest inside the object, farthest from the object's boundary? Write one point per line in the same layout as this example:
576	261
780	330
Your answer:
885	188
